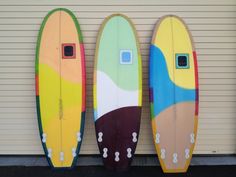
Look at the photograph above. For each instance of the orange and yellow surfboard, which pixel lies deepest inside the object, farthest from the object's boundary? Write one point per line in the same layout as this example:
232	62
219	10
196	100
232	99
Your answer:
60	87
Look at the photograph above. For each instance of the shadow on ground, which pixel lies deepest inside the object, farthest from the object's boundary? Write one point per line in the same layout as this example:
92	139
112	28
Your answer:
98	171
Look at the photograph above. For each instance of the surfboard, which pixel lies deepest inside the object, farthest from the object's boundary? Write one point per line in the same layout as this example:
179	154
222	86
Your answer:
117	91
173	93
60	87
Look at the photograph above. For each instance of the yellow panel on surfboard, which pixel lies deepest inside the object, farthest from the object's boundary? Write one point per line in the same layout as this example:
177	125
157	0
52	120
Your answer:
60	87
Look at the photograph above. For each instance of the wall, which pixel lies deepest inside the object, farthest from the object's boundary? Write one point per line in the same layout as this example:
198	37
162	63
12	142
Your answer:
212	23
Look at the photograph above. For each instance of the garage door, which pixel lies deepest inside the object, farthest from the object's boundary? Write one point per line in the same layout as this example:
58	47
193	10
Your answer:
212	23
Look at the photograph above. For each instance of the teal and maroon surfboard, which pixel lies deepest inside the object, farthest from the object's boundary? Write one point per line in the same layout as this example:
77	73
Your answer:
117	91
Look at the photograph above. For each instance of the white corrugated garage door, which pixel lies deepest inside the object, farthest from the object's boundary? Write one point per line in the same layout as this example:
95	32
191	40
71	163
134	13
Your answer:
212	23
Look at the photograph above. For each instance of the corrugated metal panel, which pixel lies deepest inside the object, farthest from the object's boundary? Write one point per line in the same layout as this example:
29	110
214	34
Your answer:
212	23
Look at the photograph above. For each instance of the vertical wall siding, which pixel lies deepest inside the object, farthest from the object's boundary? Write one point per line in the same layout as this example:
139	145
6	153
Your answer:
212	23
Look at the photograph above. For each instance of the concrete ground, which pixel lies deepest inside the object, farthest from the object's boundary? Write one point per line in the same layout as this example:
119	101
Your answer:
99	171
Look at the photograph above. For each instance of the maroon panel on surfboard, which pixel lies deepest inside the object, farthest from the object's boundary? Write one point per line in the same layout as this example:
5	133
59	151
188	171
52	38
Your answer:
117	128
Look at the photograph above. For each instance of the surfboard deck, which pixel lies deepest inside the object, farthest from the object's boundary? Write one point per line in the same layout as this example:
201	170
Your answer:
173	93
60	87
117	91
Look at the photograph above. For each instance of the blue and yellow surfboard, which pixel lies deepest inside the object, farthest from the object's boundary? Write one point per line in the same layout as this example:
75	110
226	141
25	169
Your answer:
173	93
